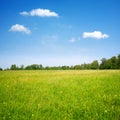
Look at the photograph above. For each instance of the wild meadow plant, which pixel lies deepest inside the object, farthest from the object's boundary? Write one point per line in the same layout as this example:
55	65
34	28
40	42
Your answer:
60	95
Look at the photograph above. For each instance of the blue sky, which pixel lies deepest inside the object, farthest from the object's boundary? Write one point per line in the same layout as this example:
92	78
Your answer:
64	32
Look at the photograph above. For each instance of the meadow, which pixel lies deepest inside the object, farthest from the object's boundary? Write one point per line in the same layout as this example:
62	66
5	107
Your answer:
60	95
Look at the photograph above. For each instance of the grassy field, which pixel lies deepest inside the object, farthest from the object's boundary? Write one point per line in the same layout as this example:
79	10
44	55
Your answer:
60	95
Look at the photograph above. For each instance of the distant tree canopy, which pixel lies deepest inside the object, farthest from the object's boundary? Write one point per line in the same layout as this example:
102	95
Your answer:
94	65
13	67
1	69
111	63
34	67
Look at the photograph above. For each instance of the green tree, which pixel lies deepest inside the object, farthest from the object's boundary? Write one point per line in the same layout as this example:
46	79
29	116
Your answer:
113	62
47	68
33	67
1	69
77	67
104	64
118	62
13	67
64	67
40	67
22	67
94	65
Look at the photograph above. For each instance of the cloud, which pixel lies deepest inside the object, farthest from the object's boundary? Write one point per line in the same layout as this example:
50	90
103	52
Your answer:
19	28
72	40
40	12
95	34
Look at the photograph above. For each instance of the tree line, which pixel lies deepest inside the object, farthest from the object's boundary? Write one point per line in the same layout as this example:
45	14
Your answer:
111	63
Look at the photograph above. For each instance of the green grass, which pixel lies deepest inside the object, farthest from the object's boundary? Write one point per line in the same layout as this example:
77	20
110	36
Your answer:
60	95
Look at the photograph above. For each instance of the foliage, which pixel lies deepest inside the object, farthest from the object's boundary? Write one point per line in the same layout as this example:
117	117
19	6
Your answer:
111	63
1	69
94	65
60	95
13	67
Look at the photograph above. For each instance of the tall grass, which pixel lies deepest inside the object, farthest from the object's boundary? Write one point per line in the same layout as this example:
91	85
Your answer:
60	95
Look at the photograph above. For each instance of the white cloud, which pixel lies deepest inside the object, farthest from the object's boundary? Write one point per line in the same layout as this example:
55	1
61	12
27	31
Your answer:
72	40
19	28
40	12
95	34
